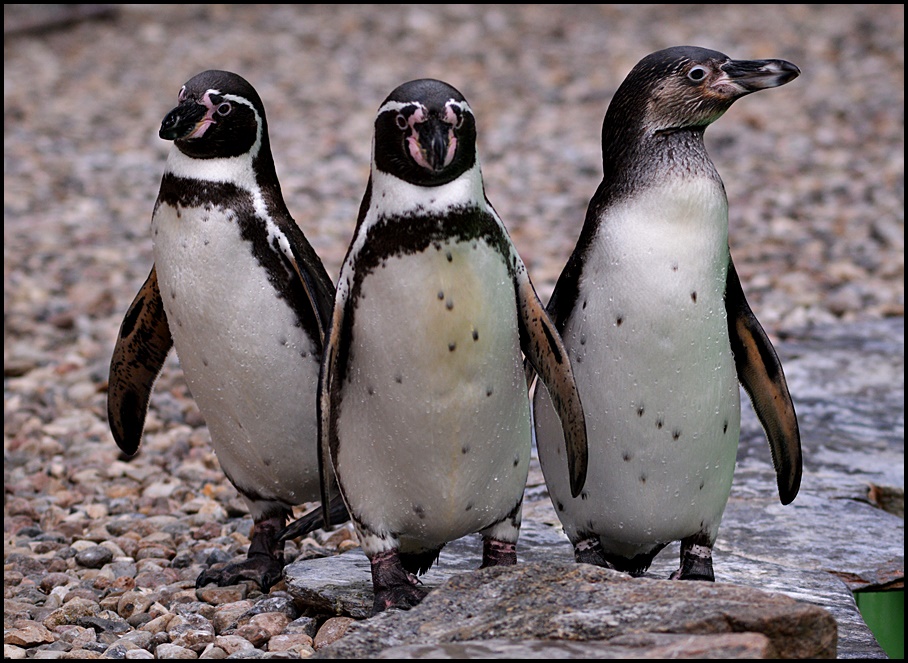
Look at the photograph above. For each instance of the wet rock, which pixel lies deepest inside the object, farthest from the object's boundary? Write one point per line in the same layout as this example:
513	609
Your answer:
231	644
94	557
221	595
27	633
298	643
72	612
169	651
579	602
191	631
331	631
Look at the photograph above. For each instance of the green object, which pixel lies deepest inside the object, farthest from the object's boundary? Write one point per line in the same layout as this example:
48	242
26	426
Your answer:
884	613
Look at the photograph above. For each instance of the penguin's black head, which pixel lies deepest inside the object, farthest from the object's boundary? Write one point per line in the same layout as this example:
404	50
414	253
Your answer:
689	87
219	114
425	133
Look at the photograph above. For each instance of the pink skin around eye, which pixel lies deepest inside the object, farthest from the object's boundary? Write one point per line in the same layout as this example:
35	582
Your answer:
203	124
413	139
452	119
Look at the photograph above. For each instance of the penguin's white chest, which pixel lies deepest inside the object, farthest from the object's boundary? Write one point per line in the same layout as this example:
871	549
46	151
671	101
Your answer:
250	365
434	402
648	341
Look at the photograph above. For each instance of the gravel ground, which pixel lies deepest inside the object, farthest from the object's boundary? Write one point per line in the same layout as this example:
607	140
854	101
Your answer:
101	554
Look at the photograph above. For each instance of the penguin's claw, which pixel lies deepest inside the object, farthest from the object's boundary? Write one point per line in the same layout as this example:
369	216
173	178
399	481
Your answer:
263	570
394	586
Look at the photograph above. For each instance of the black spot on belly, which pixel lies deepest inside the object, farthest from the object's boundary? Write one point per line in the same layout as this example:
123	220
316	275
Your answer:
642	478
399	379
702	483
489	391
516	461
583	340
676	434
619	320
640	411
370	391
441	294
583	308
560	506
204	362
584	495
674	267
725	426
465	449
659	423
304	354
173	294
449	305
449	256
452	346
283	341
693	296
626	456
419	511
475	335
469	506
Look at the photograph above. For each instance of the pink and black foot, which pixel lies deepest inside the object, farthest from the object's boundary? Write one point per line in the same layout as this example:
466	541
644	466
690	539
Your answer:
696	559
264	563
498	553
589	550
394	586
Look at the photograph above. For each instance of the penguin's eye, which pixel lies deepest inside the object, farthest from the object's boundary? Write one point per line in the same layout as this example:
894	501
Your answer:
182	96
224	108
458	121
401	121
697	74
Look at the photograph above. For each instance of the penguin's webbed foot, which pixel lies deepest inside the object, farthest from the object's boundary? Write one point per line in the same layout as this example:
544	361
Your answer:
589	551
264	570
696	560
498	553
264	564
394	587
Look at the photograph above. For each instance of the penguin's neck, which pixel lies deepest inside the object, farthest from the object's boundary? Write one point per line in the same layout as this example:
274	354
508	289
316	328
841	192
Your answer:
649	157
252	173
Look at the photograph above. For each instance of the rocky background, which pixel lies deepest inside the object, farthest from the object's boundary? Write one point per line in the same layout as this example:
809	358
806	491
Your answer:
101	552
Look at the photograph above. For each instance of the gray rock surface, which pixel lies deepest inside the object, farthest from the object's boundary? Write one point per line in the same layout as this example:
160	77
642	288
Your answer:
558	601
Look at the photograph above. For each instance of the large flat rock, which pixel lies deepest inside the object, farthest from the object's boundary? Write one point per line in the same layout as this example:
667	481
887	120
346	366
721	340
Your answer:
537	605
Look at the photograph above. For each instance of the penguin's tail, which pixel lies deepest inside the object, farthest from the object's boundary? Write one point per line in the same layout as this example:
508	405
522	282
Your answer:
313	520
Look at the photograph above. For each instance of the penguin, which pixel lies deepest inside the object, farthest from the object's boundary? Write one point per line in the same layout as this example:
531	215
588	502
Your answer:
424	408
658	330
240	293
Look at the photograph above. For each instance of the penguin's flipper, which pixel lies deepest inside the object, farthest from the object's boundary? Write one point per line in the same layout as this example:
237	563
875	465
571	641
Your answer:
542	346
315	519
326	431
312	274
142	346
760	373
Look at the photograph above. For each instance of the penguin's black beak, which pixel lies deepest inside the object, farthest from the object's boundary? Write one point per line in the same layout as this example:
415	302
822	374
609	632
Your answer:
435	139
754	75
188	120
